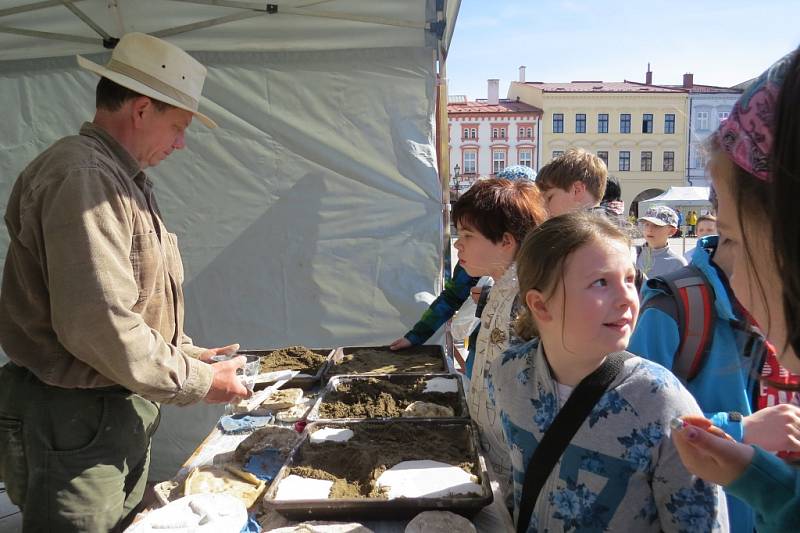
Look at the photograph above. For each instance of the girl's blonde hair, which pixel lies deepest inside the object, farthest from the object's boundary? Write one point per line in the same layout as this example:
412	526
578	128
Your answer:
540	262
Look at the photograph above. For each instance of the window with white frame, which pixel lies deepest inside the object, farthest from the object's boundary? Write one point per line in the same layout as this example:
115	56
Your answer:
604	156
498	160
470	162
469	132
647	161
701	121
669	123
525	158
558	122
557	153
722	115
669	161
625	161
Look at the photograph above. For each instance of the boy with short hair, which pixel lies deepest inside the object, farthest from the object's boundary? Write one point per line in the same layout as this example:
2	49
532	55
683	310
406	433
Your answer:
492	218
706	225
656	258
573	181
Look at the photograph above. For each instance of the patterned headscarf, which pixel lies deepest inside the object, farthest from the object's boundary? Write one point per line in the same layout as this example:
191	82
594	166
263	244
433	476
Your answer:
747	135
517	172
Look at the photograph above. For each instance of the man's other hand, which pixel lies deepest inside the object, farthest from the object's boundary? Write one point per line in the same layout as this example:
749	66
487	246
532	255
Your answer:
226	385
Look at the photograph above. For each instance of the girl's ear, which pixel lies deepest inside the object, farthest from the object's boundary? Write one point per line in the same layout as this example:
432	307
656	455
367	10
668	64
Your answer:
538	306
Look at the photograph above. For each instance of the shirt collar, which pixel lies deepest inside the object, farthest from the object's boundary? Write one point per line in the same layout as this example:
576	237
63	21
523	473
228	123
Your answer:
115	149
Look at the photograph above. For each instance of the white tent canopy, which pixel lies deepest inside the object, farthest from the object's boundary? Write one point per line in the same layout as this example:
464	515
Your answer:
313	214
679	197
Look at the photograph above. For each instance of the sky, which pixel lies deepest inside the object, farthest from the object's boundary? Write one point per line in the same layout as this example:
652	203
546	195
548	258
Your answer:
720	42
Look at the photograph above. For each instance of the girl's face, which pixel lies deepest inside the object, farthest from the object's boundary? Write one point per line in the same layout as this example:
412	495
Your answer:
755	280
480	256
598	302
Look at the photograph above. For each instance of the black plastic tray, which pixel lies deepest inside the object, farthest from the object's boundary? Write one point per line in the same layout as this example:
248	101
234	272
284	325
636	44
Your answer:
376	508
463	412
302	381
433	350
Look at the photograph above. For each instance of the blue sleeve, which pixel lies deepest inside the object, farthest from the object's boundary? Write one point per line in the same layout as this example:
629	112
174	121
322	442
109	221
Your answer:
456	290
772	488
656	338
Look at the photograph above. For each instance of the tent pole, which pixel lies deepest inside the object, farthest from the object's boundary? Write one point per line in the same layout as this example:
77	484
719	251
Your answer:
85	18
32	7
50	35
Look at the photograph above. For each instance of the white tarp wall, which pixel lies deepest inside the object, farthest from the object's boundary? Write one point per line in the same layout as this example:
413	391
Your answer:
312	215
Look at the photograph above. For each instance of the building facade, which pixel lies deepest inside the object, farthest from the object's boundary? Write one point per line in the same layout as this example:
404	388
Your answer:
488	135
638	129
708	106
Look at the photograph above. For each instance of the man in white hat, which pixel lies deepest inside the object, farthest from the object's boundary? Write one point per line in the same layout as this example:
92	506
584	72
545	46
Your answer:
91	307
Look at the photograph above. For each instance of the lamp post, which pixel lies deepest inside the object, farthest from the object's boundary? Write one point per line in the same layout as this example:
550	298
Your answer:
456	177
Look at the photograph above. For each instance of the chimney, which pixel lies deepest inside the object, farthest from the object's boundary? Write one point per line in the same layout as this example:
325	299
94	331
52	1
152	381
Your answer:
688	80
494	92
648	77
522	74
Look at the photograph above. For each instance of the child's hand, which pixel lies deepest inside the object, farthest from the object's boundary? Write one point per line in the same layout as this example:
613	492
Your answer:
775	428
708	452
702	423
400	344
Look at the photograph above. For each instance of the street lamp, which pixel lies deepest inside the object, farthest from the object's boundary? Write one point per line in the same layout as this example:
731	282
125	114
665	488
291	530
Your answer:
456	176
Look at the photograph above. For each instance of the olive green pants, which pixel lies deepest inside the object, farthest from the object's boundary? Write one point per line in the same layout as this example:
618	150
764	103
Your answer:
72	459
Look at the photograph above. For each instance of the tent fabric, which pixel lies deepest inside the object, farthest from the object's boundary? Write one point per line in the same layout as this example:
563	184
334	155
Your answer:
312	215
679	197
296	25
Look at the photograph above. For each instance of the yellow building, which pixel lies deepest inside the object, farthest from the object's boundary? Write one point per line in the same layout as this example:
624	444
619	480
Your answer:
639	129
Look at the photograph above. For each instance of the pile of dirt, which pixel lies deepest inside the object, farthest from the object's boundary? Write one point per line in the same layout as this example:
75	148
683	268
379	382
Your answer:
354	465
377	361
293	358
377	398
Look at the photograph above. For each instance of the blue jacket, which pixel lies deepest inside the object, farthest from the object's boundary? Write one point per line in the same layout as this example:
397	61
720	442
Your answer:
726	383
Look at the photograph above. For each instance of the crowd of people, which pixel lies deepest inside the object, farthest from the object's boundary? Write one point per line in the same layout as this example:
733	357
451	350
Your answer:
668	406
611	392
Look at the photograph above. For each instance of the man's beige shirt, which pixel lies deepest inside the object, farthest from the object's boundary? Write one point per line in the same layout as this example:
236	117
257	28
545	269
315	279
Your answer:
91	294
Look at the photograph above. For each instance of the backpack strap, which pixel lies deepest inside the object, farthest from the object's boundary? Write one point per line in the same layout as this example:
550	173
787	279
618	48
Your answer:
565	425
689	300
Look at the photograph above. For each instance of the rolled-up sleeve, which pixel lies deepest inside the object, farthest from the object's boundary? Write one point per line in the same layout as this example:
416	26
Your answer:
88	236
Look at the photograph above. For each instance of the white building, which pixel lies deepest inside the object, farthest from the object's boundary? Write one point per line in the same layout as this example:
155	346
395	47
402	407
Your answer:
708	105
488	135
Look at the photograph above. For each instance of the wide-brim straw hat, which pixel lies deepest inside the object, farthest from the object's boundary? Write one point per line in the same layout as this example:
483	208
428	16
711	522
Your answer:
155	68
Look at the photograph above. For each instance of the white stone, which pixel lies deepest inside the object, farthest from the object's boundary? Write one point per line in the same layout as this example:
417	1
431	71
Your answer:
331	434
426	479
201	513
441	385
302	488
439	522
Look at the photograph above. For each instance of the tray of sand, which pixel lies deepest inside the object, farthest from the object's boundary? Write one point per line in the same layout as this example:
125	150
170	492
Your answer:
391	396
368	360
310	362
381	469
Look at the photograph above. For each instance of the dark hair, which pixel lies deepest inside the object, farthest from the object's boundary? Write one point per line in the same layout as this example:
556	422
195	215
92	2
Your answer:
496	206
613	190
540	261
783	194
110	96
571	166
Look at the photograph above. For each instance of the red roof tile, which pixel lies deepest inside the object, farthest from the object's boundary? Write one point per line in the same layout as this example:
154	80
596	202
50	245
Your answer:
603	87
502	107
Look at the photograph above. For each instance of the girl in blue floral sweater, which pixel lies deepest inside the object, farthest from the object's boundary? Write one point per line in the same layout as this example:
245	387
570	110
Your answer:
620	472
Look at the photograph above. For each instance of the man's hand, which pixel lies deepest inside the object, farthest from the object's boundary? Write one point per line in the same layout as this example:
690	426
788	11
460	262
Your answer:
226	385
225	350
400	344
776	428
713	458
